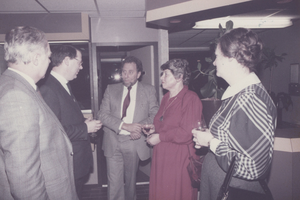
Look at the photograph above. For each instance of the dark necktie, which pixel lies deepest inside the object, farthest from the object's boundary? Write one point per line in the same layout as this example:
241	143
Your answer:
126	103
70	90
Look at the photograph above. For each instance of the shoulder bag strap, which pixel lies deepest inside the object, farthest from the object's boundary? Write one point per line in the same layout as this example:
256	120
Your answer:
223	192
266	189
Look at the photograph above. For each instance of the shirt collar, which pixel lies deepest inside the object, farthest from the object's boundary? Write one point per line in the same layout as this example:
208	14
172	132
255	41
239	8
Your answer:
26	77
234	89
59	77
133	87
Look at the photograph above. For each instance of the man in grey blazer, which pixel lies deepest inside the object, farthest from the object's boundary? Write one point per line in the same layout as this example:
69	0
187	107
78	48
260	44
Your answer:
123	143
36	160
55	89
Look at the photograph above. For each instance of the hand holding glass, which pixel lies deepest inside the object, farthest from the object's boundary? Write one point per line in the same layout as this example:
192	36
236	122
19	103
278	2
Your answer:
148	129
201	124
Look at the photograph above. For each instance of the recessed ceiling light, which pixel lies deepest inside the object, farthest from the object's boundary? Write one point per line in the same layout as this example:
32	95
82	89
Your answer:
246	22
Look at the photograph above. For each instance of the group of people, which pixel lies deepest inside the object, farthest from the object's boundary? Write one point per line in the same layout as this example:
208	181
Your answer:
45	150
44	137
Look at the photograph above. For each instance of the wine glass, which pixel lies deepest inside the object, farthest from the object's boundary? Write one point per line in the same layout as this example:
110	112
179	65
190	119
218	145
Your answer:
201	124
147	128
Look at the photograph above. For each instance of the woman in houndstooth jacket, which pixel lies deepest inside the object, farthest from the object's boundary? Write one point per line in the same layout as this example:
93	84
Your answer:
245	123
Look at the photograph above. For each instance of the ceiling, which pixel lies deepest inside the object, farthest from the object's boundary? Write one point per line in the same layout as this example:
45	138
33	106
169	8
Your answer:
181	36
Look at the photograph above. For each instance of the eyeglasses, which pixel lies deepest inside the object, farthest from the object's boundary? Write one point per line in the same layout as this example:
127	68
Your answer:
79	61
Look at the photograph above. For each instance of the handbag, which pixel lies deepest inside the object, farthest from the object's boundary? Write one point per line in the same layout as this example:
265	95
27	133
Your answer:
194	169
227	192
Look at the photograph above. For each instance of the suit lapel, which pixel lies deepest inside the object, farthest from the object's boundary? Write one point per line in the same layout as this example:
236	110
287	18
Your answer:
119	94
62	90
139	101
35	95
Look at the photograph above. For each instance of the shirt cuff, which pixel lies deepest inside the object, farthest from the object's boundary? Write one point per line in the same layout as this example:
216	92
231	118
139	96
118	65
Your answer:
214	143
120	127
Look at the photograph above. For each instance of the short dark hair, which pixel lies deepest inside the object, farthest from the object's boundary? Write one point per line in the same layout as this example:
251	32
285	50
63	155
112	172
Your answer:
59	52
243	45
21	41
132	59
178	67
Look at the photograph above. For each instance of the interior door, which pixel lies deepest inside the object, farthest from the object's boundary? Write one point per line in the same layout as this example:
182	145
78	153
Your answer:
146	55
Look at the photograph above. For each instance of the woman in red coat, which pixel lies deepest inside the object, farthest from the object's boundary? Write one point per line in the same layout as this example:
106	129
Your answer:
171	136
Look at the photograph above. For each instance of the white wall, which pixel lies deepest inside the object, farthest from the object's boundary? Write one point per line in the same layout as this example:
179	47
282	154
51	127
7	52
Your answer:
145	54
132	31
285	40
121	30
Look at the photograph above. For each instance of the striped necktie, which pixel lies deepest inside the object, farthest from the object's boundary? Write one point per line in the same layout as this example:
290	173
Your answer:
126	103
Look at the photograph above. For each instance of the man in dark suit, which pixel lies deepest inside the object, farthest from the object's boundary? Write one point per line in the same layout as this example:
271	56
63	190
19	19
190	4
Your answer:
35	152
123	143
67	61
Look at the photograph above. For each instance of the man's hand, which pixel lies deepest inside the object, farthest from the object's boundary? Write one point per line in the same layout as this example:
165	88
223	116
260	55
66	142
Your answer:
135	135
93	125
132	127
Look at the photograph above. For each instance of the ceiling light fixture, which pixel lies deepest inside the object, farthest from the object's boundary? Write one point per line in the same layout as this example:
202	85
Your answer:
246	22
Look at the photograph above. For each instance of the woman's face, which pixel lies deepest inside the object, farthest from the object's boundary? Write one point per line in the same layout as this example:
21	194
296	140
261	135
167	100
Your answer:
168	81
221	62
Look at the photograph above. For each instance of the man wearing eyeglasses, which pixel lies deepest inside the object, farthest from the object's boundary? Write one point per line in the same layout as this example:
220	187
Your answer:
56	91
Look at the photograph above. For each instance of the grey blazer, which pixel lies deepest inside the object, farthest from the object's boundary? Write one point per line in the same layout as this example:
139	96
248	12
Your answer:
35	153
110	114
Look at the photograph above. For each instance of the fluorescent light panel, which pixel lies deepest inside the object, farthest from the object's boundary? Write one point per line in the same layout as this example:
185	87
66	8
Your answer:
246	22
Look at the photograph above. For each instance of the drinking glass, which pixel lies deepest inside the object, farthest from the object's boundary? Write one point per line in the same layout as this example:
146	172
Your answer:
201	124
147	128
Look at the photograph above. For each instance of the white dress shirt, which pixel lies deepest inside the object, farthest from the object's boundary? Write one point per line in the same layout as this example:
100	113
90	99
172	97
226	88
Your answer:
131	108
61	79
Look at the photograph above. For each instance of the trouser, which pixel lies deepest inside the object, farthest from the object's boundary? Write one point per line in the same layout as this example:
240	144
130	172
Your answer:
79	183
122	165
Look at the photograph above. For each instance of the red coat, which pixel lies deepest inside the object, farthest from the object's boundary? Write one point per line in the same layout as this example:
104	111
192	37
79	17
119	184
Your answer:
169	179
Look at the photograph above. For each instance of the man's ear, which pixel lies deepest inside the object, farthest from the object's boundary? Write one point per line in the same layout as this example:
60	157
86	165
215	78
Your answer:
139	74
35	59
66	61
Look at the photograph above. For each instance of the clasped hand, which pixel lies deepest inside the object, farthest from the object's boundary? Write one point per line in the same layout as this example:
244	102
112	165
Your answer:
135	130
92	125
152	137
202	138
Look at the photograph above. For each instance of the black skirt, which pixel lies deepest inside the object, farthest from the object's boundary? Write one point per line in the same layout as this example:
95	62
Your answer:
212	177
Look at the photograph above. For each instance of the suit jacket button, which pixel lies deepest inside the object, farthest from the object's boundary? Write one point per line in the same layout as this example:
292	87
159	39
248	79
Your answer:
71	153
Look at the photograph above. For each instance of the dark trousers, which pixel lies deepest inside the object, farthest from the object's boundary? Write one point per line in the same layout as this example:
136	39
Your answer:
79	183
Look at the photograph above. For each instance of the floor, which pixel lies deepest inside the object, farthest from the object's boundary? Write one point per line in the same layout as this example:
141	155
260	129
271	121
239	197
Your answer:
96	192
